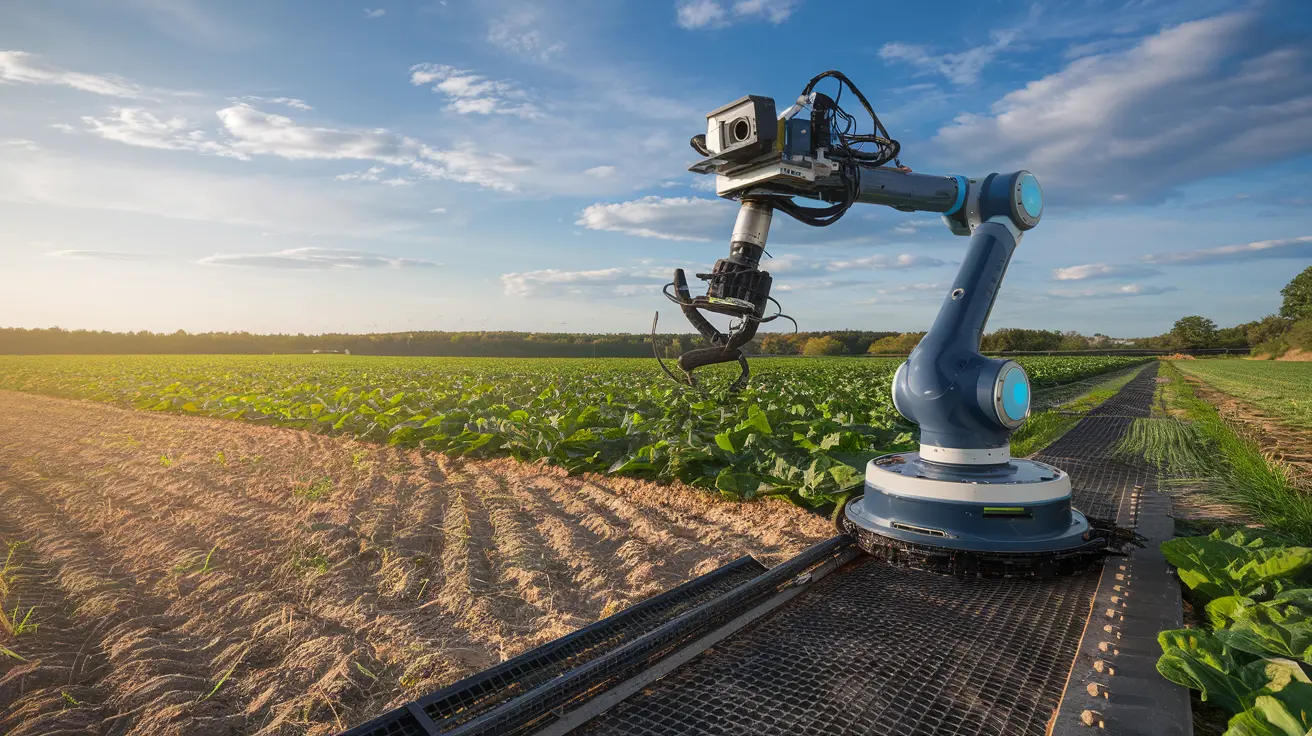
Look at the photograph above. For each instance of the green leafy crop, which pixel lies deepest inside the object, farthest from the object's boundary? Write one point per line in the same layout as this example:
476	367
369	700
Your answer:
1214	567
1255	659
804	429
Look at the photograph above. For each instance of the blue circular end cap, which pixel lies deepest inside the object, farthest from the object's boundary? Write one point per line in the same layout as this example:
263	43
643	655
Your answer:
1031	196
1016	395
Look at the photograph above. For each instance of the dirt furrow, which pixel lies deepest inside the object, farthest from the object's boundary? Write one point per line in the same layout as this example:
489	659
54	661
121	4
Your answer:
202	576
48	675
150	667
322	605
585	552
532	565
642	566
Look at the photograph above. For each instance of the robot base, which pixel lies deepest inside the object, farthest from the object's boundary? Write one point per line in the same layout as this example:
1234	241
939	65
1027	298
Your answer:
1011	520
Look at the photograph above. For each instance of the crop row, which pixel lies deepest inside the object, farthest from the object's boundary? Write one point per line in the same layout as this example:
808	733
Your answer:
1282	389
805	428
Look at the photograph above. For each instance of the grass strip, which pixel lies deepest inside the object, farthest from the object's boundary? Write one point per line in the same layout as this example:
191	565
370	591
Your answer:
1175	447
1200	447
1045	427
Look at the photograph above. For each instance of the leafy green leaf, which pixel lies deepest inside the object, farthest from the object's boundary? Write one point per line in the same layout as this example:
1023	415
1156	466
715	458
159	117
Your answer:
1282	629
1220	611
1286	712
1200	660
845	476
1213	567
736	484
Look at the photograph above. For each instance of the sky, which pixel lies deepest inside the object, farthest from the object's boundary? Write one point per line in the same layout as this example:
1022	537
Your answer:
454	165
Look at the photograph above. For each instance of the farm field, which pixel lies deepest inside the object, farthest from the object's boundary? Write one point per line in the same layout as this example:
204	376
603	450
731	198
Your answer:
1282	390
1273	400
172	574
171	571
805	428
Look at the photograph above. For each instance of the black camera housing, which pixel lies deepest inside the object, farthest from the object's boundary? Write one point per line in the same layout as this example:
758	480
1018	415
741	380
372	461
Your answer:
742	130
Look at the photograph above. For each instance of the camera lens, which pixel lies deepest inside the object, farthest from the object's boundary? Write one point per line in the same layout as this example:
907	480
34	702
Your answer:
740	130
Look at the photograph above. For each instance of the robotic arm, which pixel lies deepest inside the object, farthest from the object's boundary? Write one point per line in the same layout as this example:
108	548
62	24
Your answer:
967	405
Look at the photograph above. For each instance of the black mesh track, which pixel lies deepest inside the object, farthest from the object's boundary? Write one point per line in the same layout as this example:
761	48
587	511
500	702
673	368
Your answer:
473	696
882	650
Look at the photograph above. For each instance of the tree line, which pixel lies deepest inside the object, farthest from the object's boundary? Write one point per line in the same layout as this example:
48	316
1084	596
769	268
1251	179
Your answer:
1272	335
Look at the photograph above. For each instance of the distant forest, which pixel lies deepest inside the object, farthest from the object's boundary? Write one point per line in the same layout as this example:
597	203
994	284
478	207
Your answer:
558	345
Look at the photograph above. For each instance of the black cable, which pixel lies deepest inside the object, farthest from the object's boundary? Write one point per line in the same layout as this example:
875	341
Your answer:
847	151
881	134
698	143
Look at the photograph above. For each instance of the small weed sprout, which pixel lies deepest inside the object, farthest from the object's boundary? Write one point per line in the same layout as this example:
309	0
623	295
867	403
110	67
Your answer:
18	623
197	564
7	572
69	700
365	671
310	559
165	460
219	684
221	458
313	490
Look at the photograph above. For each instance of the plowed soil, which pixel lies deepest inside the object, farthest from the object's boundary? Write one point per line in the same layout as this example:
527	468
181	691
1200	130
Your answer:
197	576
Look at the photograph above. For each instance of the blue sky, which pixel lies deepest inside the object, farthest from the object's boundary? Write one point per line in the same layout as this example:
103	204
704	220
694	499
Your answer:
333	166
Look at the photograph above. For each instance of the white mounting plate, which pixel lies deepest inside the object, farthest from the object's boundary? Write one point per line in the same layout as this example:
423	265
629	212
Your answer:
1030	483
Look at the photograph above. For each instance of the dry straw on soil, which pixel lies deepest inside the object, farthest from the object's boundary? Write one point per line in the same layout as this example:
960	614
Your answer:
194	576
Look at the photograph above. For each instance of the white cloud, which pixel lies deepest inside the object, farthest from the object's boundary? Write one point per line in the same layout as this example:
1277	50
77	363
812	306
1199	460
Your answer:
1300	247
1100	271
774	11
911	227
99	255
257	132
20	143
917	288
601	172
189	194
530	282
374	173
694	14
1131	126
884	260
253	132
375	13
21	67
814	284
470	93
963	67
468	164
137	127
912	293
667	218
315	258
600	283
1118	292
291	102
517	33
697	14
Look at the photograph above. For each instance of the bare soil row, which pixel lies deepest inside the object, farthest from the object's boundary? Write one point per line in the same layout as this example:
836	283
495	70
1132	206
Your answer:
197	576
